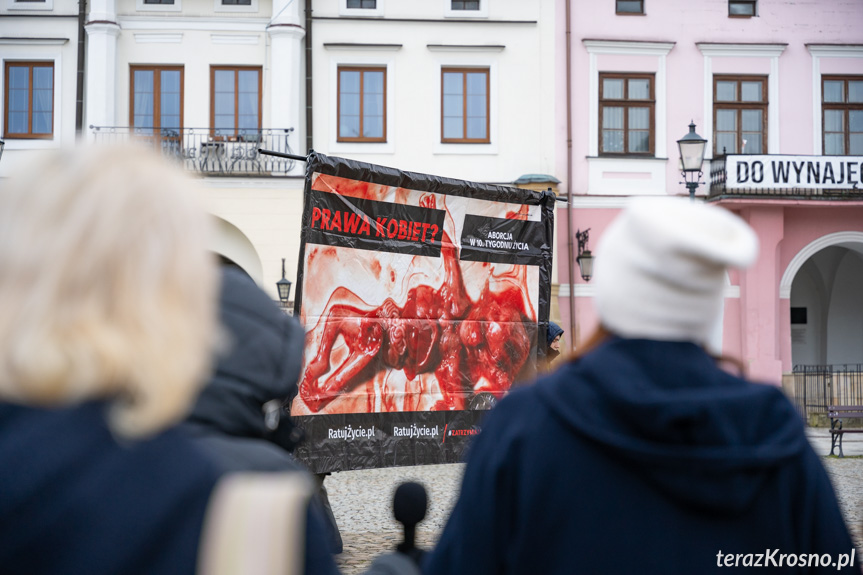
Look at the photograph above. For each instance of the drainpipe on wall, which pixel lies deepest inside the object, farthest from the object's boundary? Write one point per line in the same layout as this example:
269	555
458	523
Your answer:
569	244
79	86
308	41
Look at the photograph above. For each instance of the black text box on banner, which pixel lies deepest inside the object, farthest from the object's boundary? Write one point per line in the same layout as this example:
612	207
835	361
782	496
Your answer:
372	440
371	225
499	240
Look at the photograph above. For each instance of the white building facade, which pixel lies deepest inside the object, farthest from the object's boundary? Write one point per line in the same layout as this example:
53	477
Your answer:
462	89
206	81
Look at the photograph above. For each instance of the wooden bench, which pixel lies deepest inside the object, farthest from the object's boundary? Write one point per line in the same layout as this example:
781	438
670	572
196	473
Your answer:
837	414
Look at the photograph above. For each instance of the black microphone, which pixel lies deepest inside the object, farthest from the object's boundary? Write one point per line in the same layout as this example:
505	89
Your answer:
409	508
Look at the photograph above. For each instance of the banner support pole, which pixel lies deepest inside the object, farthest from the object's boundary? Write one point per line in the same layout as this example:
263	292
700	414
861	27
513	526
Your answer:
283	155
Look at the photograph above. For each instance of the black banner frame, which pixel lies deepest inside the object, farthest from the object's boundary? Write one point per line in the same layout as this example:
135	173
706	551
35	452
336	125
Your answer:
342	442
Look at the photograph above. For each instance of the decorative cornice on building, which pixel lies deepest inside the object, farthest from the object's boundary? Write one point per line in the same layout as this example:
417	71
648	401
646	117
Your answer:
158	38
465	48
836	50
627	47
208	24
741	50
33	41
103	26
424	20
360	46
244	39
286	30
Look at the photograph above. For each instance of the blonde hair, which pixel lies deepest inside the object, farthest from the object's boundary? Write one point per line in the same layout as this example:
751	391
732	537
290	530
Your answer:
107	288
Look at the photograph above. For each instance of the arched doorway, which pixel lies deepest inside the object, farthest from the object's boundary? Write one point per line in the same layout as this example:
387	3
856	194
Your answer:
824	283
232	245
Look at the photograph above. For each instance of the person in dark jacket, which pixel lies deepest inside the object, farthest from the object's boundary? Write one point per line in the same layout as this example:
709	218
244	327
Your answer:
554	336
239	418
106	335
642	455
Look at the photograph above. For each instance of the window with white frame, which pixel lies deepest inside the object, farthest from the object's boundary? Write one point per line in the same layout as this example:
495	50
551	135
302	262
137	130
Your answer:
40	5
842	109
159	5
235	5
29	100
626	113
361	8
466	8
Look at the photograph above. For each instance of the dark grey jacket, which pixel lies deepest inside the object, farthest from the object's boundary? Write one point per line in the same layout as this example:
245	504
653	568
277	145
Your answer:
262	363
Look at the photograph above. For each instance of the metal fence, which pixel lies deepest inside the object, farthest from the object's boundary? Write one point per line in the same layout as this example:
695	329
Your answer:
818	386
201	150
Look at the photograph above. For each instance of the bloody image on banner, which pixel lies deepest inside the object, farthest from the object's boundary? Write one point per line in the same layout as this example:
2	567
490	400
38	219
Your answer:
423	299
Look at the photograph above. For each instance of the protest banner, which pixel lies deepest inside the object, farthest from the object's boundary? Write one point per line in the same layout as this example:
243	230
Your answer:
423	299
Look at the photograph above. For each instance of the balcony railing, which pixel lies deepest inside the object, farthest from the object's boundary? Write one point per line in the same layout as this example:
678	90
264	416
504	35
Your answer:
828	178
199	150
818	386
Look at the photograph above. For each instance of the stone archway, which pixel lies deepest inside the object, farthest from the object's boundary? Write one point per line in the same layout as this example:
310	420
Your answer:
232	244
824	283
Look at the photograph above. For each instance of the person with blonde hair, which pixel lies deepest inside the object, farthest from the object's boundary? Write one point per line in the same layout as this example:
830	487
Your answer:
642	454
108	324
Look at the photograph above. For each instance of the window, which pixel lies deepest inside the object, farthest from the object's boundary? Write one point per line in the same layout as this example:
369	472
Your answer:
235	104
842	106
30	5
236	2
465	5
29	100
362	104
157	101
626	113
739	115
741	8
465	103
158	1
630	6
362	4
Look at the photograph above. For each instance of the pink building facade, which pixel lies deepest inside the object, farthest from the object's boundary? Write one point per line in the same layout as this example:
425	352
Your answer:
776	88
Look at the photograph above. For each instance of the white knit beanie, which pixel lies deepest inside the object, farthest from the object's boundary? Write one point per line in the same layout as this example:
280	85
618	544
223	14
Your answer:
660	268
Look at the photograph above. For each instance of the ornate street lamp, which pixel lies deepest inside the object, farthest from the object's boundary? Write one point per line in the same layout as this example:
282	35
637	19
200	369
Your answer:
284	287
585	258
691	159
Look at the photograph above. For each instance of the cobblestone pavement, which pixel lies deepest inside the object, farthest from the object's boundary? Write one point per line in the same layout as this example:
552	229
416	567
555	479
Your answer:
362	502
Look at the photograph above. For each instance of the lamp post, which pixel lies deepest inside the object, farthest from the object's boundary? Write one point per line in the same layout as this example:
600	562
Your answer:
284	287
691	159
585	258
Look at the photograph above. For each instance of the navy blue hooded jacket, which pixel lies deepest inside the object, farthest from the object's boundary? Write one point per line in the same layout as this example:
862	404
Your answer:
641	457
74	499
